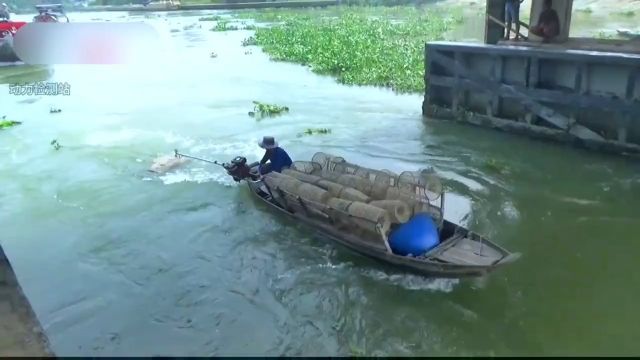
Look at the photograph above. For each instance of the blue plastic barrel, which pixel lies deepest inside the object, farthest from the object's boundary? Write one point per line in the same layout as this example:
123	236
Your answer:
415	237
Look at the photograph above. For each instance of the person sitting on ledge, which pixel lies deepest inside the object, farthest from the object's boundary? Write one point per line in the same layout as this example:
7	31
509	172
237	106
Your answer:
548	23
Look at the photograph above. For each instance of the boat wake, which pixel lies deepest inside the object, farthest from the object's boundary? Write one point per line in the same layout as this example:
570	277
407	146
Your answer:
197	175
414	282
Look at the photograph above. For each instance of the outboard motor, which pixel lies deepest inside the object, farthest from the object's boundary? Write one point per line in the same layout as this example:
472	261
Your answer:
238	168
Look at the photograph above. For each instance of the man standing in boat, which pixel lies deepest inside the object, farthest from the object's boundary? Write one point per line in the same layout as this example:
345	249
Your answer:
277	157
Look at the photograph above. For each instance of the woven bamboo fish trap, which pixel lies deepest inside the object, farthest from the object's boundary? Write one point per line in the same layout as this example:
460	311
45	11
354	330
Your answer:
308	178
343	192
423	183
307	167
298	196
326	161
281	181
355	182
354	216
313	193
414	203
399	212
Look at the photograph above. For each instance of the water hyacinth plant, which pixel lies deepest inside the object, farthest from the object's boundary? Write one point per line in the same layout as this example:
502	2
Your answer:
249	41
5	124
358	48
261	110
56	145
210	18
322	131
223	25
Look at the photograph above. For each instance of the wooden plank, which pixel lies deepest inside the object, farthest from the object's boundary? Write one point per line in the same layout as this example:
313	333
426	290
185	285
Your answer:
481	83
503	25
457	256
552	96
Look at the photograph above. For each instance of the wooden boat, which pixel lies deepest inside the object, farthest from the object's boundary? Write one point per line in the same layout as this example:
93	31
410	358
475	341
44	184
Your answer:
461	253
8	29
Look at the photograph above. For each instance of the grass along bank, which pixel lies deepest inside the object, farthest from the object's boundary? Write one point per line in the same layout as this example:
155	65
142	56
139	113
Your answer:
359	45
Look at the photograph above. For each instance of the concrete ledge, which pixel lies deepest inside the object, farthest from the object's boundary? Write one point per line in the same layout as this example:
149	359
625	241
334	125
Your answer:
20	330
533	131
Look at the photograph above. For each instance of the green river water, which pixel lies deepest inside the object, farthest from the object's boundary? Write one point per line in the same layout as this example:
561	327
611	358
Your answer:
116	261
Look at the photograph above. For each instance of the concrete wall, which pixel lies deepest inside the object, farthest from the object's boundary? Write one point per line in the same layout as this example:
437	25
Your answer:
20	331
597	95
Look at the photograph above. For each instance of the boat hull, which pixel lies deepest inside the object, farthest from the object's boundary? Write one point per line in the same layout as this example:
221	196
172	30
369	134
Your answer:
7	31
7	54
366	248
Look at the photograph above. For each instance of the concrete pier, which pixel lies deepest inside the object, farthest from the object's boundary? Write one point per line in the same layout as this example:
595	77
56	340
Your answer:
587	98
20	330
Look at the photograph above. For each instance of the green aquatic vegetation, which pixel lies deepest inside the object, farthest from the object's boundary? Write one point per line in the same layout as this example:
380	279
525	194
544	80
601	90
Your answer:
629	13
210	18
54	110
261	110
249	41
175	30
357	48
496	166
315	132
223	25
586	10
249	27
191	26
56	145
5	124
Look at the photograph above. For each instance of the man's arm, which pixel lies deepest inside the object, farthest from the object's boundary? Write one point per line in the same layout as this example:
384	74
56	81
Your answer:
265	158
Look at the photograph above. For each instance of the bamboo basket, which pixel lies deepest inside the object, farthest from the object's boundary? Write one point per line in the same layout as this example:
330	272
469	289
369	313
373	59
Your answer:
343	192
355	182
281	181
356	215
313	193
399	212
307	167
416	205
308	178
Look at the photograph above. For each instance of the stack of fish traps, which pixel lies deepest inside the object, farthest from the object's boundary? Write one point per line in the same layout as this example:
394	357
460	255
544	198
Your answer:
359	200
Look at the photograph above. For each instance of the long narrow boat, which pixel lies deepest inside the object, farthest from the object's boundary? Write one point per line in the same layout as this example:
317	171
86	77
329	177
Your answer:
460	253
8	29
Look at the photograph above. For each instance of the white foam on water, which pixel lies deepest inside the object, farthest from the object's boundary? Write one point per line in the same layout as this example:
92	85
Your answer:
414	282
129	136
197	175
233	149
